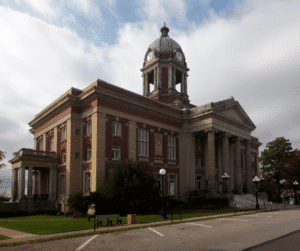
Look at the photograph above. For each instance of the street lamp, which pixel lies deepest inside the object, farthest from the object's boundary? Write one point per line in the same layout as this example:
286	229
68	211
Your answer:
225	177
163	214
257	180
295	186
282	182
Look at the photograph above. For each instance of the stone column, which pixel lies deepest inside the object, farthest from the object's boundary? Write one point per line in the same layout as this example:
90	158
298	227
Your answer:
21	182
44	142
51	184
257	163
211	163
132	140
55	183
226	159
231	166
185	83
29	189
182	83
248	167
40	181
33	184
238	168
170	77
155	79
35	144
14	184
220	167
55	138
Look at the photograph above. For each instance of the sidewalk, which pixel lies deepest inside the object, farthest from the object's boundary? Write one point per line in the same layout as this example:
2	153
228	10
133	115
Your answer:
27	237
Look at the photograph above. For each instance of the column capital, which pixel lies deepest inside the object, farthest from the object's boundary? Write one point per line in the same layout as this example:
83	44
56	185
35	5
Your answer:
210	130
225	134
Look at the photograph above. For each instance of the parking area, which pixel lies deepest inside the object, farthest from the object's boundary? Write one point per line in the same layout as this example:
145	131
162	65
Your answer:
229	233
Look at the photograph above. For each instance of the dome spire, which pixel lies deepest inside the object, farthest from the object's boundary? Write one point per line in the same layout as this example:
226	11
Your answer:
164	30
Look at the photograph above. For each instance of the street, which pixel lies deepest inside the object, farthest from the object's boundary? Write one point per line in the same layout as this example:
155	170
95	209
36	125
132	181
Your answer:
231	233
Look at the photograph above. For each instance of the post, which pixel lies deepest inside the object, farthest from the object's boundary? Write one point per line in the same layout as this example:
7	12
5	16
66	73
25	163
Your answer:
163	215
256	191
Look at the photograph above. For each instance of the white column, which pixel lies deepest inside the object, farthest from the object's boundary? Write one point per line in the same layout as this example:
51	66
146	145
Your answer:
220	167
211	160
29	190
40	182
182	83
231	166
238	168
248	166
21	182
51	184
55	183
14	184
155	79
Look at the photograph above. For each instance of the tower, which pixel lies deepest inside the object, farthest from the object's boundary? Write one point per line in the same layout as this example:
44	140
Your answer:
163	70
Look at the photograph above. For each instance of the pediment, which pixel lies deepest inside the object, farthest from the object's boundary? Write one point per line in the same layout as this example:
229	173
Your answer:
236	113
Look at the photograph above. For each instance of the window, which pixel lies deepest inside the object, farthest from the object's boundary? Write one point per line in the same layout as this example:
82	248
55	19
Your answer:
88	153
116	129
171	147
116	153
63	134
41	145
252	158
88	128
87	176
63	157
198	144
143	138
172	184
199	182
52	144
77	155
62	184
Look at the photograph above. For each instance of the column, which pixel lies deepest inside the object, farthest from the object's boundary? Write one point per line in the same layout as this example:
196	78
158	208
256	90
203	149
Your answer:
170	77
21	182
257	164
231	167
44	142
211	163
225	155
185	83
51	184
55	183
132	141
220	167
29	189
40	181
182	83
33	184
55	138
35	144
14	183
158	78
155	79
238	168
248	171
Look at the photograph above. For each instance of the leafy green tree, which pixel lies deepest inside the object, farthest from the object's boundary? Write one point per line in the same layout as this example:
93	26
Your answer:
292	170
274	159
2	157
133	187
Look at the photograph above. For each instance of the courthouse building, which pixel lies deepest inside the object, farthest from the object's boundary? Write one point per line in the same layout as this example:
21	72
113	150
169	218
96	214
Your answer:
83	135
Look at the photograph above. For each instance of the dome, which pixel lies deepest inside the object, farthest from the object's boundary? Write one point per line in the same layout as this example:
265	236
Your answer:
164	45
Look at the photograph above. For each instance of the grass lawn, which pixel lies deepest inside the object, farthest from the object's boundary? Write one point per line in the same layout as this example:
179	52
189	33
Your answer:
43	225
2	237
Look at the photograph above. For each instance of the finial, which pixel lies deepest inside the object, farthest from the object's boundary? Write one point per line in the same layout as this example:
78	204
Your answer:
164	30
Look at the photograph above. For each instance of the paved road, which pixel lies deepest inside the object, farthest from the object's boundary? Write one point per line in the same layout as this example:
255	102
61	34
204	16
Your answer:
234	233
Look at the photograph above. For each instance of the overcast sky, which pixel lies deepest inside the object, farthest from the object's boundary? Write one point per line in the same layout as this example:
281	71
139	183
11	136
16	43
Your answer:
246	49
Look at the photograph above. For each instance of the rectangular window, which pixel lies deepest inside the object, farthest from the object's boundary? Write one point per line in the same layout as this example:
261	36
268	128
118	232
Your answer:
63	158
62	184
88	128
52	144
116	129
88	153
41	145
143	139
116	153
199	182
172	184
63	134
87	181
252	158
171	147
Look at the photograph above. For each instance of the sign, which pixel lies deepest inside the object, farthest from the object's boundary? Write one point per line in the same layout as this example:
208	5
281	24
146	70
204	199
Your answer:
171	188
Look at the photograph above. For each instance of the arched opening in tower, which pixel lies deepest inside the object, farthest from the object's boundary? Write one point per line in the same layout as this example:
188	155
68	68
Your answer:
178	80
151	81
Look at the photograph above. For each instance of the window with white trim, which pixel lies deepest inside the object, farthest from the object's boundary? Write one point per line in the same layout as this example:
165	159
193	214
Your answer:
63	134
88	128
116	153
52	144
172	182
143	139
62	183
116	129
199	182
171	147
63	157
87	177
88	153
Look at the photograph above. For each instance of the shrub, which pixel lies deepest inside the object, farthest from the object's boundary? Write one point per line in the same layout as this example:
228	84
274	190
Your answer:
68	213
79	203
60	214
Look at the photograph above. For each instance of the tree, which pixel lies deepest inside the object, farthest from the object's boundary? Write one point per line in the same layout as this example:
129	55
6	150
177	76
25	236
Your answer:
292	170
274	159
132	187
2	157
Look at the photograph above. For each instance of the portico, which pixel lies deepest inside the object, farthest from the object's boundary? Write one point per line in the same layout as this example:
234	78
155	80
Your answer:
38	163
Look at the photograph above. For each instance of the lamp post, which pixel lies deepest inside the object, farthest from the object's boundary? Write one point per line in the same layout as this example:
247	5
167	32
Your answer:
282	182
163	214
225	177
256	180
295	186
